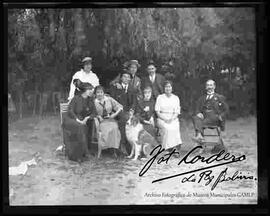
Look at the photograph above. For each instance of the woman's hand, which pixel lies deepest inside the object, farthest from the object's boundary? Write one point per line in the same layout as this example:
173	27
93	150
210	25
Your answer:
220	118
146	122
200	115
118	85
168	121
81	121
84	121
146	109
112	116
100	118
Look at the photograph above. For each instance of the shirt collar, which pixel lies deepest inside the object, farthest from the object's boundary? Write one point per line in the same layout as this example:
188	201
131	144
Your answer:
105	99
124	85
211	93
153	75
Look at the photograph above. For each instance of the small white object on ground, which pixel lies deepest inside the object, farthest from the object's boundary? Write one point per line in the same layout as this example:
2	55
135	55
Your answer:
60	148
22	168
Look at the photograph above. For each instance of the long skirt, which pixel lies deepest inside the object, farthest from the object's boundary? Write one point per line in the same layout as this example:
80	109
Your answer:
170	133
75	139
150	129
109	134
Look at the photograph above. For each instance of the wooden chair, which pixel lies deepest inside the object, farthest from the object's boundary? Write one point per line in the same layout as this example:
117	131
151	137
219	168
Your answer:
218	145
63	111
56	97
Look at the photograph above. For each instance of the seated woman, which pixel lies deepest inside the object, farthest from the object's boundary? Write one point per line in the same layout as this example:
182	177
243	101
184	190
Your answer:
145	109
107	109
81	113
168	108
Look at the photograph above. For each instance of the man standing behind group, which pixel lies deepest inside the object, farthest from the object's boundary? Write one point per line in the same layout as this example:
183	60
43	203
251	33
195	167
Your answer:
154	80
135	82
85	75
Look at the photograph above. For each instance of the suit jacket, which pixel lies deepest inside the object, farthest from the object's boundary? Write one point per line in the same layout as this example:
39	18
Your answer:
217	103
157	85
128	100
135	83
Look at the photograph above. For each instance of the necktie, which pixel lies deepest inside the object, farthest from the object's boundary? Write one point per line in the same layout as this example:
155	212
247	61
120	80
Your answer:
132	81
104	111
152	79
125	87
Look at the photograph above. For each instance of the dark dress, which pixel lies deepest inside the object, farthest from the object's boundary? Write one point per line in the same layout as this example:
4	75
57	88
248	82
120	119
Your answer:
76	135
146	111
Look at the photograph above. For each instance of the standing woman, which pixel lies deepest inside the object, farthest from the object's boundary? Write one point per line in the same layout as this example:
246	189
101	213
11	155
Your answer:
85	75
168	108
76	125
107	109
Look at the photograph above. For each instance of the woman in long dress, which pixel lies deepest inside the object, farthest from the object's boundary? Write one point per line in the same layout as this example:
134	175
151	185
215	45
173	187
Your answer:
168	108
107	127
77	124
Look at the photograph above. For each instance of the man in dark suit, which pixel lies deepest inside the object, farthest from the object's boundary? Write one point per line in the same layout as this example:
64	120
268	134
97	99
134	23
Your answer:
211	110
135	82
154	80
127	97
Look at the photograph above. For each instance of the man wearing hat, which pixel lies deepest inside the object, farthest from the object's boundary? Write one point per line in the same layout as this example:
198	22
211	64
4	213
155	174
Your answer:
127	98
154	80
135	82
84	75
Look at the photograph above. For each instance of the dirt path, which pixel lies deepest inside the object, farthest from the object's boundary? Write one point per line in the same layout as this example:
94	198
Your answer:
56	181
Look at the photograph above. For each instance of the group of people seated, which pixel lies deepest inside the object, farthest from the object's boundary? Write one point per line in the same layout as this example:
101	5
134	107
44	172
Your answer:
151	98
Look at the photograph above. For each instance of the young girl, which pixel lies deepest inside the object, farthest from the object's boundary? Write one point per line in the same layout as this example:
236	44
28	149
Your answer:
145	110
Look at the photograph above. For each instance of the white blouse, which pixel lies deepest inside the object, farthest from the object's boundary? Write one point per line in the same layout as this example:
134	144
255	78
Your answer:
83	77
168	106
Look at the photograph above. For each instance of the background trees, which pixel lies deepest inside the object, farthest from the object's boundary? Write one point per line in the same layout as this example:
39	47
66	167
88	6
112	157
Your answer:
45	46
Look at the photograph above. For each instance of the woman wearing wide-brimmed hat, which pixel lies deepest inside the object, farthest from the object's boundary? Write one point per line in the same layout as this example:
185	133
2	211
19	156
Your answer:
77	125
85	75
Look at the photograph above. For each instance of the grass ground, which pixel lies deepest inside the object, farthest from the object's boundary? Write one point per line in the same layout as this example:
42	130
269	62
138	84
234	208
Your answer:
57	181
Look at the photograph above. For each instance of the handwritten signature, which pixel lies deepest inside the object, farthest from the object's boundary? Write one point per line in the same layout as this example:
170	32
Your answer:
206	172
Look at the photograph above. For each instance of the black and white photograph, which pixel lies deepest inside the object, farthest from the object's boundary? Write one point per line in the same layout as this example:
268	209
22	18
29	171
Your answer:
132	106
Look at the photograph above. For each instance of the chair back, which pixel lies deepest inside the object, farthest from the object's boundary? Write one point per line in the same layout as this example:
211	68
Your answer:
63	109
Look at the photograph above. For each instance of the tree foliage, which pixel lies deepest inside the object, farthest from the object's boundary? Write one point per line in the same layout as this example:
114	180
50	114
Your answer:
46	44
